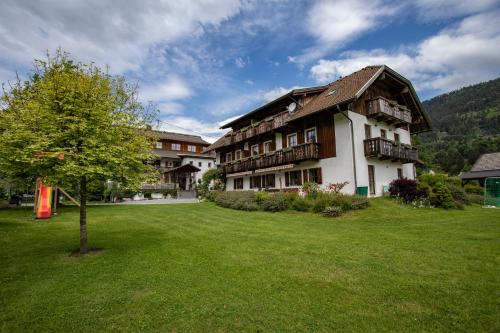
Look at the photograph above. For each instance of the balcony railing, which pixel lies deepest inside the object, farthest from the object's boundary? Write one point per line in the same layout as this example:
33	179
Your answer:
387	149
306	151
388	111
260	127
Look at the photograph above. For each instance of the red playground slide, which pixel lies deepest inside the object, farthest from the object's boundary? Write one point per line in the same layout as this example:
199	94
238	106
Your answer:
44	201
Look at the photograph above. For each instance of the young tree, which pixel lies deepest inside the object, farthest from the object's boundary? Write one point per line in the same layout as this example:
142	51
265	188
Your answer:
77	111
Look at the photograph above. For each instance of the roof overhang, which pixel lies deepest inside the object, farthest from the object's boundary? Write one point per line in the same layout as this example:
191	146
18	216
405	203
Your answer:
187	168
480	174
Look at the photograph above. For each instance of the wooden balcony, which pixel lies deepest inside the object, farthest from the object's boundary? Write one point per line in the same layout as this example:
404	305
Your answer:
387	149
261	127
389	112
303	152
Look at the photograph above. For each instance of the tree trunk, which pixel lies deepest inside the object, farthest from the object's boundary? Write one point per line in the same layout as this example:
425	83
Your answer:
83	216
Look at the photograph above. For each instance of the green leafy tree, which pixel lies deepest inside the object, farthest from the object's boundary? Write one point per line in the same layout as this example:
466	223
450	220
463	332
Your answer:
77	110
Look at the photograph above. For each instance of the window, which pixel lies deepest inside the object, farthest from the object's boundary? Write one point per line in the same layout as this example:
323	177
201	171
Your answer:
268	181
229	157
255	182
291	139
396	137
254	150
400	173
191	162
192	148
368	131
268	146
310	135
170	164
176	146
159	145
238	183
209	164
264	181
237	154
199	164
383	134
314	175
293	178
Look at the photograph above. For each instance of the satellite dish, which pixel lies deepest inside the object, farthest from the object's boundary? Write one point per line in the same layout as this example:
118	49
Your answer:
291	108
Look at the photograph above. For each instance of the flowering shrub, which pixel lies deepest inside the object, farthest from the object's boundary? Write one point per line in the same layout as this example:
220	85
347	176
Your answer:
335	187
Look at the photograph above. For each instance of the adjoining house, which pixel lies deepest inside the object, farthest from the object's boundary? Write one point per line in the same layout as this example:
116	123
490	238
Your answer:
486	166
356	129
181	161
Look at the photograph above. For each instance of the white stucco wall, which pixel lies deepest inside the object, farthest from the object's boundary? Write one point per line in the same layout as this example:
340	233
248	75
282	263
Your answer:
204	165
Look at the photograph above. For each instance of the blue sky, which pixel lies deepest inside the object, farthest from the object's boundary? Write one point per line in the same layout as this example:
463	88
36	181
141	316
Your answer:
204	62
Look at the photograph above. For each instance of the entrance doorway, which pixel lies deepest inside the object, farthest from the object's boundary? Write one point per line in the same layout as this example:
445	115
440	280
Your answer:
371	179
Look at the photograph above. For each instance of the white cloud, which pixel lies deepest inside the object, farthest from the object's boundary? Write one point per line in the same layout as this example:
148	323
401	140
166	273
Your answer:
171	89
335	23
442	9
276	92
457	56
118	34
209	131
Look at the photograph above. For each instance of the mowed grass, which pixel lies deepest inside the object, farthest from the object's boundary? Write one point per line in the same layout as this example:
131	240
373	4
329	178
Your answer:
203	268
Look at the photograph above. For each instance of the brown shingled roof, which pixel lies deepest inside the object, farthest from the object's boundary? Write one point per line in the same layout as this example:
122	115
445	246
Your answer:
340	91
181	137
217	144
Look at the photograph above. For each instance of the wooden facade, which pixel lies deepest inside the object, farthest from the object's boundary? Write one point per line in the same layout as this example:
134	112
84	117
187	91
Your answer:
167	145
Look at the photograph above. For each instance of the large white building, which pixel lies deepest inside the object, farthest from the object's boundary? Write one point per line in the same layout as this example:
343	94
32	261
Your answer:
356	130
182	160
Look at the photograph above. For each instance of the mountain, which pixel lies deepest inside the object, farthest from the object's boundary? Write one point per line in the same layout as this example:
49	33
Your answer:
465	124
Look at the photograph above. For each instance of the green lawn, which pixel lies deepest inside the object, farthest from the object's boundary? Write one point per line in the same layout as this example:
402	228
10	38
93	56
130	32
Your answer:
204	268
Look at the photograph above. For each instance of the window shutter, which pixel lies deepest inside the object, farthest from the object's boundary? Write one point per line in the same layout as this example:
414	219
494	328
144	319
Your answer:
287	180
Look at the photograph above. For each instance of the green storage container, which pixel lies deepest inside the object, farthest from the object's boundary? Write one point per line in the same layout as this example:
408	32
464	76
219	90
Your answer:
362	190
492	192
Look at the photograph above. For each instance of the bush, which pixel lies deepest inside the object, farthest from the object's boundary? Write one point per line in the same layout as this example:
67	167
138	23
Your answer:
310	189
274	203
290	197
475	198
441	197
261	196
406	189
301	204
474	189
458	194
439	178
332	211
321	202
242	200
344	201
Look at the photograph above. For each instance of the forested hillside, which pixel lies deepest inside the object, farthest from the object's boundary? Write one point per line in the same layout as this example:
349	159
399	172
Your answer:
465	123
